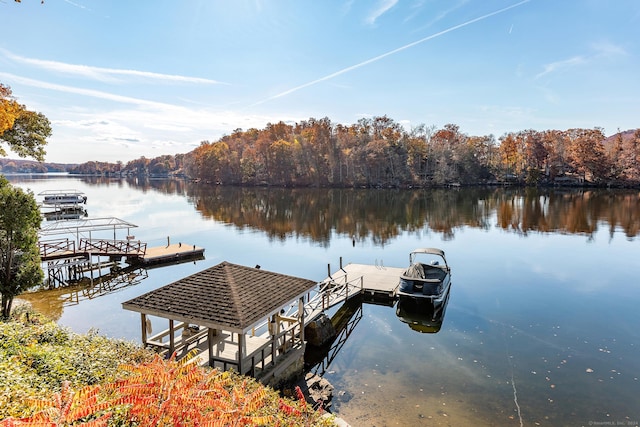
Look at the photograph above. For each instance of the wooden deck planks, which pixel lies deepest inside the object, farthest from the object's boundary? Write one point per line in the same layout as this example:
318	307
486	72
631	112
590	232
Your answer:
168	253
375	279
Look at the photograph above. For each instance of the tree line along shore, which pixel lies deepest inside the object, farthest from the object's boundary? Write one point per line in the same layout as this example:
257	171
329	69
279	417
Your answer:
379	152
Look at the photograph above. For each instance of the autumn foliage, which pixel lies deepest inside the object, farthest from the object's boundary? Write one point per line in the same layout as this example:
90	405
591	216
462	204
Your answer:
152	392
170	393
379	152
25	132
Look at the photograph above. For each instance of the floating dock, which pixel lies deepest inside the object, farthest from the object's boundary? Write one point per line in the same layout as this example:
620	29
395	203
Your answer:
377	283
377	280
169	253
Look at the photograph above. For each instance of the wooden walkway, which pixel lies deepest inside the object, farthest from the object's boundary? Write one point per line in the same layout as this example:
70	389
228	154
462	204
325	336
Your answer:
376	280
371	281
170	253
133	250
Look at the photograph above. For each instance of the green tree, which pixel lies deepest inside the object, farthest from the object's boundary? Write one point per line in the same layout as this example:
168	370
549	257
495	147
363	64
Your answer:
19	254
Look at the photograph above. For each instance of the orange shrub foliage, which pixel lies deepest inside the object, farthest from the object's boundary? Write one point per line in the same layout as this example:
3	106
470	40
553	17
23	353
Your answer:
171	393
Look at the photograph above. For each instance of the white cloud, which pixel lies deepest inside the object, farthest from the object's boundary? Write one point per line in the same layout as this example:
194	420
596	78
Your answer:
104	74
608	49
561	65
78	91
600	50
441	15
382	7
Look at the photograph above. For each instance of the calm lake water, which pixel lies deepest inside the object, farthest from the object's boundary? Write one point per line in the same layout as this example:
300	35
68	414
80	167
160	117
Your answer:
541	326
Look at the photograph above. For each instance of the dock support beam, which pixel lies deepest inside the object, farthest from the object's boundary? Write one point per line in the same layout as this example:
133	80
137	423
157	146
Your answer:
143	319
301	311
210	345
172	339
241	352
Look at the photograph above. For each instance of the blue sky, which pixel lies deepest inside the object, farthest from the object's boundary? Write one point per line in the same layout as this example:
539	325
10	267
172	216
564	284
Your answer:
125	79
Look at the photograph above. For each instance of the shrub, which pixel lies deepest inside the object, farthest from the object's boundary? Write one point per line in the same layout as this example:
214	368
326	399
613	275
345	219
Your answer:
52	377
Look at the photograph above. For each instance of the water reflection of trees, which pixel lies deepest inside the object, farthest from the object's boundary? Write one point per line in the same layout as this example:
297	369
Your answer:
143	183
570	212
381	215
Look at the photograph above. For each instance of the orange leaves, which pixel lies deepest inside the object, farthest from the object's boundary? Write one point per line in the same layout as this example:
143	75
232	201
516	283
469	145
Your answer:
9	109
300	395
67	408
288	409
182	393
170	393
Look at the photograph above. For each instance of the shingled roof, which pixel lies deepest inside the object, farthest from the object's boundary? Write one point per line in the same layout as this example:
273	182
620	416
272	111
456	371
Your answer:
226	296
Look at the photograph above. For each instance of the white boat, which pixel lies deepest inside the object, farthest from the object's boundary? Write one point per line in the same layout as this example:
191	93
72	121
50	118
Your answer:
63	197
429	278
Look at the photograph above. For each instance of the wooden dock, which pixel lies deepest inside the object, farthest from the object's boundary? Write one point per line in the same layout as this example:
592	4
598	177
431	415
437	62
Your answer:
377	284
134	251
377	281
169	253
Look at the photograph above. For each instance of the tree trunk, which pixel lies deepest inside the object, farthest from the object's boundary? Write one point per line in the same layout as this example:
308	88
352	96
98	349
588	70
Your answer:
7	302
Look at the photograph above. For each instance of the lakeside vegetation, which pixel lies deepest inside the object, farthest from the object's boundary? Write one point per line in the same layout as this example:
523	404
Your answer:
50	376
379	152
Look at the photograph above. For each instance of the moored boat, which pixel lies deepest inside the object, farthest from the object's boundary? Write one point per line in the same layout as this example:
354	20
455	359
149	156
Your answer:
63	197
429	277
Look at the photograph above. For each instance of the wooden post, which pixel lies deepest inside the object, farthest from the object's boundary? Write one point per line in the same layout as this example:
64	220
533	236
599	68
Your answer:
172	340
143	318
273	328
240	352
301	311
210	345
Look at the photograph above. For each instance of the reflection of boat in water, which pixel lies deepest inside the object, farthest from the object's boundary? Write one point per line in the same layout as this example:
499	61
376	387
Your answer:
63	197
421	315
66	205
72	213
428	278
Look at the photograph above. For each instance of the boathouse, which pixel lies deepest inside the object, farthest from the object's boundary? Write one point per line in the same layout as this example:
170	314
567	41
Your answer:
235	316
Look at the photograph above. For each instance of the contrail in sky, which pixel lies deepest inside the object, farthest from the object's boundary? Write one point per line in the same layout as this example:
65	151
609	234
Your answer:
384	55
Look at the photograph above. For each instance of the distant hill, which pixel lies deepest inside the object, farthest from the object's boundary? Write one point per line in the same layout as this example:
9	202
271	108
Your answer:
626	135
31	166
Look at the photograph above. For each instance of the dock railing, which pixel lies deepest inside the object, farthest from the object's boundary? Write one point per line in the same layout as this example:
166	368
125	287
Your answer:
268	354
165	342
259	352
52	248
113	247
331	292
